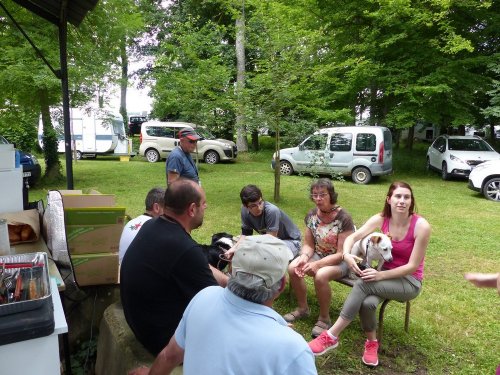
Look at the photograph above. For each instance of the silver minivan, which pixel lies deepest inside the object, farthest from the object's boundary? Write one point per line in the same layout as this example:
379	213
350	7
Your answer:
357	151
159	138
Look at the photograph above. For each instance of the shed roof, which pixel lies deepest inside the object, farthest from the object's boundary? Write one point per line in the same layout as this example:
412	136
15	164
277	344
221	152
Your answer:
51	9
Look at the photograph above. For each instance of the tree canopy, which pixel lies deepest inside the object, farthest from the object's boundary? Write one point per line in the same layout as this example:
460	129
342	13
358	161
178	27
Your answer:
307	63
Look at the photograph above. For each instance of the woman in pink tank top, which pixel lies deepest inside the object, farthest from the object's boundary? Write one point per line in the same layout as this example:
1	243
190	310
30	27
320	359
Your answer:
400	279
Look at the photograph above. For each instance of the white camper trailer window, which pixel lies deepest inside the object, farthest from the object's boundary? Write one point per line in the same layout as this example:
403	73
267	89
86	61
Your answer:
118	127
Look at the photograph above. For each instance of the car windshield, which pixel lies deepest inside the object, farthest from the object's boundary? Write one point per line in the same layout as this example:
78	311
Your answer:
3	140
468	145
205	133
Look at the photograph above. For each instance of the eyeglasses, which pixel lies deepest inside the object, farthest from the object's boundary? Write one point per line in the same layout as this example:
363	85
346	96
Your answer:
318	196
254	205
191	141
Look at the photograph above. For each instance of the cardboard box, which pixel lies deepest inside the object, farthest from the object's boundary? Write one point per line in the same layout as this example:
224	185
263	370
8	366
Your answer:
85	239
75	199
93	223
96	269
94	216
94	230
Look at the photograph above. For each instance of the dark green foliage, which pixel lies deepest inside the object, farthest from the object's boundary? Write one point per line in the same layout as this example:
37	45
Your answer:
20	128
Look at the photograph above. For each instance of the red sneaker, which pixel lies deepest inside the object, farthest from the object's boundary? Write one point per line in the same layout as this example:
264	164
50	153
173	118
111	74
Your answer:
370	356
323	343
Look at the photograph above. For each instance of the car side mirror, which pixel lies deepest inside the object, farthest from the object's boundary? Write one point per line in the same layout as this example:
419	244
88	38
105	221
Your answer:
301	147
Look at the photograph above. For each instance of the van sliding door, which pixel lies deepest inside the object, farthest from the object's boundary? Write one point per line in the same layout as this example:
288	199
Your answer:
340	152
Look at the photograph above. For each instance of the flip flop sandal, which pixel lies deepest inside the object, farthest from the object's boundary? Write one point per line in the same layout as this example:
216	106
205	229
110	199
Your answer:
319	327
295	315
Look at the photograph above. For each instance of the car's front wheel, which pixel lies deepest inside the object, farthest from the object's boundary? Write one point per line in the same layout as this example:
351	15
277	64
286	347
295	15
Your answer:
444	172
491	189
361	175
211	157
286	168
152	155
79	155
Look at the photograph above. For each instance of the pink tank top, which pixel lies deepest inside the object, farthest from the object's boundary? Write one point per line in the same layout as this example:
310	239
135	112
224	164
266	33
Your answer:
401	250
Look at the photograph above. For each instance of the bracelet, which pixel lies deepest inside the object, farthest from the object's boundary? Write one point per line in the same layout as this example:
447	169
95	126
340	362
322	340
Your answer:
343	255
307	255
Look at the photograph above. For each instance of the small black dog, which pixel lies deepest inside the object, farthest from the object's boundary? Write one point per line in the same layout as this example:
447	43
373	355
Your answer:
221	242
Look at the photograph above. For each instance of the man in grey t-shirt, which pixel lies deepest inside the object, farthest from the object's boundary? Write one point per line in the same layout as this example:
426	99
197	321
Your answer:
266	218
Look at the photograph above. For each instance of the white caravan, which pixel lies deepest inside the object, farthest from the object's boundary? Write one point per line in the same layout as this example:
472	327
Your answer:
93	132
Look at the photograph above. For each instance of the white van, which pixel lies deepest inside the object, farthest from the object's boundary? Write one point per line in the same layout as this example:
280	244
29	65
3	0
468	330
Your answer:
357	151
159	138
95	132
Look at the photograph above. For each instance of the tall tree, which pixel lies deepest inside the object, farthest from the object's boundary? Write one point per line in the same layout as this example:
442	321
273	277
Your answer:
94	55
422	59
241	139
193	82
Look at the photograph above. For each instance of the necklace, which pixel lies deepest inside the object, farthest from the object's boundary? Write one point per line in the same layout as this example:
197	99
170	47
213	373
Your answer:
334	208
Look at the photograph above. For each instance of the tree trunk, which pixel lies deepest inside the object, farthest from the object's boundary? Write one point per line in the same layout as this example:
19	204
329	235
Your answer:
255	140
490	134
49	137
124	83
277	174
373	103
461	130
241	138
411	137
397	138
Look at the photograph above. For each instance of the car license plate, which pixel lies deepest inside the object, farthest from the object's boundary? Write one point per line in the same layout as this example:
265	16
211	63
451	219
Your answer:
26	174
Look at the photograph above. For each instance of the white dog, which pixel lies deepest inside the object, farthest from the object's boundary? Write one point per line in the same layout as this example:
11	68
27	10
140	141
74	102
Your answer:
374	247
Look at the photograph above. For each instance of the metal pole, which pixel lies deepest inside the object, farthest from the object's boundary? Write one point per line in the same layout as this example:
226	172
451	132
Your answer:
63	33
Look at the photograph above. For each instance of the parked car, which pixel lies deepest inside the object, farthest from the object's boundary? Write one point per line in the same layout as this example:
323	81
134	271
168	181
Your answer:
159	138
31	167
357	151
458	155
134	124
485	178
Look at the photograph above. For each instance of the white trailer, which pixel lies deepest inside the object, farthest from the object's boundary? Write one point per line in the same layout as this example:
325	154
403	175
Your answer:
93	132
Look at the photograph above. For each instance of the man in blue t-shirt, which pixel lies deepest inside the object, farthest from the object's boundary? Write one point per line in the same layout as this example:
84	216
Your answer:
179	161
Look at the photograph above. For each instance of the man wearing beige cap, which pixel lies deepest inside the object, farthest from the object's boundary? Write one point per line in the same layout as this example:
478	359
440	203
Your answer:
179	161
235	330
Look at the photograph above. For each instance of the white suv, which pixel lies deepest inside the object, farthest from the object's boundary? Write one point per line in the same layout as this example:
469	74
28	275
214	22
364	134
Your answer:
458	155
485	178
159	138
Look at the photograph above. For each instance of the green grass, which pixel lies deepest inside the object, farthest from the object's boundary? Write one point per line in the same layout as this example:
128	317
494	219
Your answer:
454	327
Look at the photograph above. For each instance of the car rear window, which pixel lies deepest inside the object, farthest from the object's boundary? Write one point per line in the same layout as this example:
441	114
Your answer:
387	140
137	119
